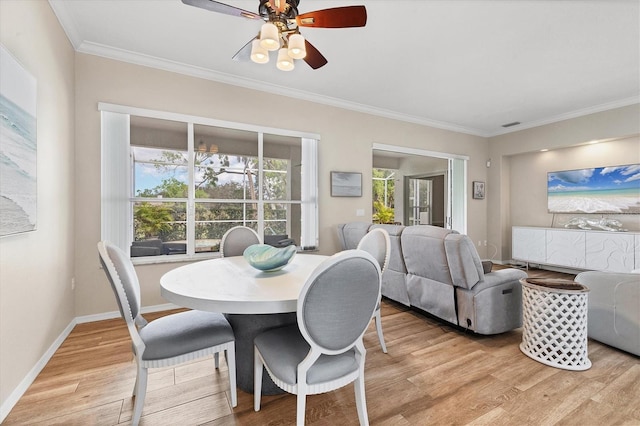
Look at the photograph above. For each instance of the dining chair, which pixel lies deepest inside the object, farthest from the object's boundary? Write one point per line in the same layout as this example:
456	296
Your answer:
377	243
169	340
324	351
236	239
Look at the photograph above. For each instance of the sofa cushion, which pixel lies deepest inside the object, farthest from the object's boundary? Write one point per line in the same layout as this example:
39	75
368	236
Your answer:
424	254
464	263
350	234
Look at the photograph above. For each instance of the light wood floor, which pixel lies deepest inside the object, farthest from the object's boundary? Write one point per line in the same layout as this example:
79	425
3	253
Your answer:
433	374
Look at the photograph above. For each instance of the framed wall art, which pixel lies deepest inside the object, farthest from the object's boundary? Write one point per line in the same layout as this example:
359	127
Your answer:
18	148
478	190
346	184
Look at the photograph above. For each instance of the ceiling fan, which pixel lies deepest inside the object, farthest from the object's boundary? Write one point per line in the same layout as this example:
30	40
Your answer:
281	30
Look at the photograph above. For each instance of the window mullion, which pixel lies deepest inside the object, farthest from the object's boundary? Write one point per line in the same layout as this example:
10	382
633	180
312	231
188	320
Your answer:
191	193
259	189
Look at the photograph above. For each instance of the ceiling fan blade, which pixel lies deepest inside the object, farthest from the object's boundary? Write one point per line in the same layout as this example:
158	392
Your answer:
244	54
216	6
314	58
337	17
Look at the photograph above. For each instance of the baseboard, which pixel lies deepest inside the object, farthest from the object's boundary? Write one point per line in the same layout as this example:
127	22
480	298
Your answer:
17	393
116	314
14	397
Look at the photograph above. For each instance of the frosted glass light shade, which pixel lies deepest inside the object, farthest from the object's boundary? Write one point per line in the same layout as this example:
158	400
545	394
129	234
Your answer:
259	54
202	147
297	49
285	62
269	37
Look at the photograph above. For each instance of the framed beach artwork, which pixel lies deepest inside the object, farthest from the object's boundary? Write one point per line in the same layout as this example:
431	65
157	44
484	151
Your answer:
18	189
345	184
600	190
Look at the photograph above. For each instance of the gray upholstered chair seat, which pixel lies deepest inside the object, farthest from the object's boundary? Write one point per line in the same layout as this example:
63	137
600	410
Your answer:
284	348
324	350
184	332
169	340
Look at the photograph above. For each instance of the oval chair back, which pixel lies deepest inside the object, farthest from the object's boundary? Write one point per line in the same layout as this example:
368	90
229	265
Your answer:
169	340
236	240
377	243
324	350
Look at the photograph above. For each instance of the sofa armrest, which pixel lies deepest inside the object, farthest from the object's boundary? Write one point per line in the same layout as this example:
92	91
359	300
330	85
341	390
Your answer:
503	276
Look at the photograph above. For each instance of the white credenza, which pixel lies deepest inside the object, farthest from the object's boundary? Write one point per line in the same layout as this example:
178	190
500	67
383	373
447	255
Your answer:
577	248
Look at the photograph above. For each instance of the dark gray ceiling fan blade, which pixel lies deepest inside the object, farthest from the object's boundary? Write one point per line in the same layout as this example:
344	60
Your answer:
244	54
314	58
216	6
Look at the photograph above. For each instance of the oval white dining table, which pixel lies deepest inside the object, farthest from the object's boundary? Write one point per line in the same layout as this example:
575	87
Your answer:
253	300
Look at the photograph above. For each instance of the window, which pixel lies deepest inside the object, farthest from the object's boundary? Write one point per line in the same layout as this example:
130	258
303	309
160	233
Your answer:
190	179
384	191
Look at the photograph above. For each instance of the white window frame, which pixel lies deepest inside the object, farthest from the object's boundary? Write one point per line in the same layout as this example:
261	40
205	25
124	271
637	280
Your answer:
116	177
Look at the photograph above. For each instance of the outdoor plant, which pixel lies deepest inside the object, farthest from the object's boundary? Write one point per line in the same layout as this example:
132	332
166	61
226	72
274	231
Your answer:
382	213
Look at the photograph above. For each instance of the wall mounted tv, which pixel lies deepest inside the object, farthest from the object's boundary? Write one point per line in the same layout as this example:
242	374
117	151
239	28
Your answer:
601	190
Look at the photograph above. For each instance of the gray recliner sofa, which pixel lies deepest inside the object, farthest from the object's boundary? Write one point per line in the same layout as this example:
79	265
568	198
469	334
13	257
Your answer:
439	271
613	315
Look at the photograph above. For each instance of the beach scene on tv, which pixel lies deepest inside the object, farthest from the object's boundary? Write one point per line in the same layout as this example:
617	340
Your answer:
614	189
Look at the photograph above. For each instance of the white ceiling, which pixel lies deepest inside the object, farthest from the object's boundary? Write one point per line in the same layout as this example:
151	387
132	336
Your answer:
464	65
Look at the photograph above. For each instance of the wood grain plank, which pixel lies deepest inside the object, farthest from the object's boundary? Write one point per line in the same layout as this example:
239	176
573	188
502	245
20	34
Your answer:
434	373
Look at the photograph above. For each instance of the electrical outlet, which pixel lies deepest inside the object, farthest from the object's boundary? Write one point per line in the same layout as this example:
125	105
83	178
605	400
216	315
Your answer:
479	243
360	212
485	243
73	283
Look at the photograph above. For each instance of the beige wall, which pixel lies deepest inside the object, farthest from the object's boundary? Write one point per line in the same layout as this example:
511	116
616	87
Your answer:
516	190
347	138
36	301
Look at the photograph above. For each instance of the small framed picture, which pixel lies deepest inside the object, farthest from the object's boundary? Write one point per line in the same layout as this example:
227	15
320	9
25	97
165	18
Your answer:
478	190
345	184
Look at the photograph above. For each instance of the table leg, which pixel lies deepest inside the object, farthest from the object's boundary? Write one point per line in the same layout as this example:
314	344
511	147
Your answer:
246	327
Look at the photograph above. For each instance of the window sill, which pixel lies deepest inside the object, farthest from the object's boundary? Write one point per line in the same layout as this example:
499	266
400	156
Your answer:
173	258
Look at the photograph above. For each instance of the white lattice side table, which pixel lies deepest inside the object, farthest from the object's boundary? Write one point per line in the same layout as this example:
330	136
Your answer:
554	318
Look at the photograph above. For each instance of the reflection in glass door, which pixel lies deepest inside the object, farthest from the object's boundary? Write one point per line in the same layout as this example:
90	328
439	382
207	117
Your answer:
420	200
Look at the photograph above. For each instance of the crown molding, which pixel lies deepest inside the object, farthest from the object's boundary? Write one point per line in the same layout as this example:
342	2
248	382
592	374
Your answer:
572	114
199	72
172	66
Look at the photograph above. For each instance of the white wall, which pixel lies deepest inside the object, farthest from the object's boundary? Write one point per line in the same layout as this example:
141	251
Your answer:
36	301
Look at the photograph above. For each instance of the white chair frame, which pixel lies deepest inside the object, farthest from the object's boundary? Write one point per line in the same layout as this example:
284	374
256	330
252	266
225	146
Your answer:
301	389
234	229
137	323
377	315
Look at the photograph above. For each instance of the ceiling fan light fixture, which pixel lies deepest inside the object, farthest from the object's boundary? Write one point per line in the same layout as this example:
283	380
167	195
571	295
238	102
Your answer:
269	37
202	147
259	54
297	48
285	62
213	149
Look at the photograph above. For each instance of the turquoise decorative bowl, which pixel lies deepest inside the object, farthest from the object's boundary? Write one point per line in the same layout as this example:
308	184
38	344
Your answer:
268	258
